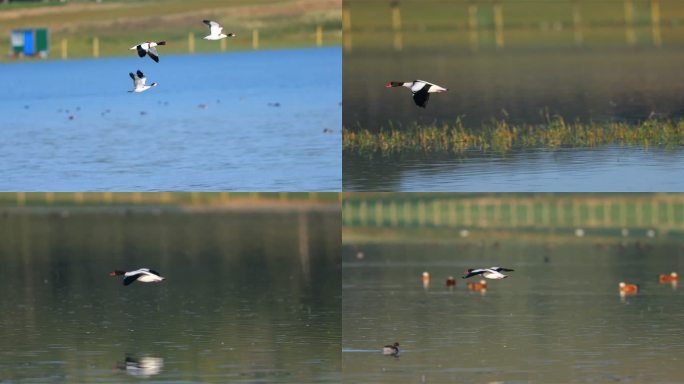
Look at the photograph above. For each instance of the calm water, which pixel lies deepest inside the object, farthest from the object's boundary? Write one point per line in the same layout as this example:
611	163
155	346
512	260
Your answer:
550	322
249	298
238	121
572	170
589	85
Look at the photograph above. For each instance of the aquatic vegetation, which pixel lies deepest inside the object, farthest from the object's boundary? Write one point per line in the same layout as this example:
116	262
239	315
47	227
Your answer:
502	136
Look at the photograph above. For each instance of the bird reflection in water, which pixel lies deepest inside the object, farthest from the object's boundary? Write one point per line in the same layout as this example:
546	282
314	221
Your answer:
144	367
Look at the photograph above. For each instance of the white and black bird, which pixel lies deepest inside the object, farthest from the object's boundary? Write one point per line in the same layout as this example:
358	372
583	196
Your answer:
139	82
149	48
215	31
391	350
143	275
488	273
144	367
421	90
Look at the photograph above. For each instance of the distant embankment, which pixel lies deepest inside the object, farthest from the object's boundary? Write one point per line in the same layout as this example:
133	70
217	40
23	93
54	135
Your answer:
46	202
475	25
631	214
82	30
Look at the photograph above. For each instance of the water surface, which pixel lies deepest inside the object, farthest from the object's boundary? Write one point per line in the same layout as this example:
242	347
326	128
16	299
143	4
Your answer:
521	85
242	121
553	321
602	169
248	297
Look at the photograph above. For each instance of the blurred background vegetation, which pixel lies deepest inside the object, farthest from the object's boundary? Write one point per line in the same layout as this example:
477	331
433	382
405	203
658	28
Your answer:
10	200
454	216
118	25
496	24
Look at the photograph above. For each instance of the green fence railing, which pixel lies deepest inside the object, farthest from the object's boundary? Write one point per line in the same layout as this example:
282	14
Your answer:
660	211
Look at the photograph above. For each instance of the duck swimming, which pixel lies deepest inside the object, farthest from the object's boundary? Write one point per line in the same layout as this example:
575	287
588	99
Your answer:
391	350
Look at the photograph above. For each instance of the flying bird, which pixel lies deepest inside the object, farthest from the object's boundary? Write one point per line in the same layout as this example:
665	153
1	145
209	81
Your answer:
143	275
421	90
488	273
148	48
139	82
215	31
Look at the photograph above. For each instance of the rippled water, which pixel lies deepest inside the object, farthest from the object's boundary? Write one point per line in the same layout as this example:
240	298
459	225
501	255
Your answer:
556	321
266	121
248	298
571	170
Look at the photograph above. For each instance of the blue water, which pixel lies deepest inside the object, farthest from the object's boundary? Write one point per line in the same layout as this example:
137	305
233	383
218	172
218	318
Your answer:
248	121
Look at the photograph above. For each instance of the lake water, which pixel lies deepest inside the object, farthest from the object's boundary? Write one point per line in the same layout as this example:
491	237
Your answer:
266	121
248	297
558	321
602	169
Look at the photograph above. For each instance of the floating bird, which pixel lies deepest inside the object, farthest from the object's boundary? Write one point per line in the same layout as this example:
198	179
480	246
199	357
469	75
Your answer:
451	282
215	31
139	82
481	286
488	273
391	350
671	278
628	289
148	48
426	278
143	275
145	367
421	90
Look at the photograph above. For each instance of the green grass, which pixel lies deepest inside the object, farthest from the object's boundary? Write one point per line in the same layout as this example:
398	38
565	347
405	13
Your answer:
43	199
501	136
121	24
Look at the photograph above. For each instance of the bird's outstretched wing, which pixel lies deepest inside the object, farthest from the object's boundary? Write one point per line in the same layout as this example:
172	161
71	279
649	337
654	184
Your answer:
214	27
141	51
474	272
421	97
129	279
153	54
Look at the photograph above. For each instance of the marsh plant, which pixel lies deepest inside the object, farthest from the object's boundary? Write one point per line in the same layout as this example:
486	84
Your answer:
503	136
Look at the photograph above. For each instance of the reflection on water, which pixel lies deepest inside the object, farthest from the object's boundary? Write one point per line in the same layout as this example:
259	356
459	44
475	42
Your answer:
589	85
557	318
144	367
567	169
248	297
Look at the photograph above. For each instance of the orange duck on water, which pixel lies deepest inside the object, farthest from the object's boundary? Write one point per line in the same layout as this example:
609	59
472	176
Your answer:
671	278
451	282
628	289
481	286
426	279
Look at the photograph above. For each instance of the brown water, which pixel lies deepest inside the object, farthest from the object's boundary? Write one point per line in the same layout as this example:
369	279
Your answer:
248	298
553	321
520	85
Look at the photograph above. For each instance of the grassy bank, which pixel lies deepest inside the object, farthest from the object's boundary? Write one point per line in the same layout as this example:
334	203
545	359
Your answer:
199	199
118	25
502	136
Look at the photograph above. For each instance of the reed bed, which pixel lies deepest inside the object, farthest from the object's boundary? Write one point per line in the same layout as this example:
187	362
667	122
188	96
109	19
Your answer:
502	136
